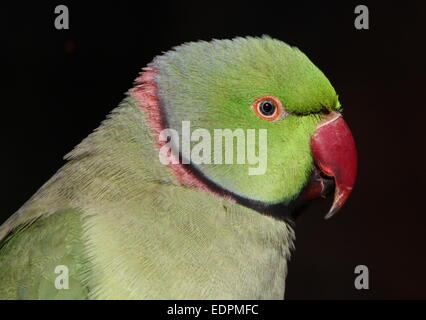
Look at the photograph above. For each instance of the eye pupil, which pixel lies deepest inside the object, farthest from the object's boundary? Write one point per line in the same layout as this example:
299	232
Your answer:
267	108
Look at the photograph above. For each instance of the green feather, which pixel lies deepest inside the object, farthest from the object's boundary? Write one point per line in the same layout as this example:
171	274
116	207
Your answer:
143	235
29	257
125	226
213	84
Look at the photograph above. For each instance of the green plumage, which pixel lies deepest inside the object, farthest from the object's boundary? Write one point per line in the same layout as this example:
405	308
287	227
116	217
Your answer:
221	79
128	229
29	257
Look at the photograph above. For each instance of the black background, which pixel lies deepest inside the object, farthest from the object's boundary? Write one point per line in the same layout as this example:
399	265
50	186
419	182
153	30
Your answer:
59	84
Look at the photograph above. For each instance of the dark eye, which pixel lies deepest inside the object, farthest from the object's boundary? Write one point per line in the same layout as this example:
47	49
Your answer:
268	108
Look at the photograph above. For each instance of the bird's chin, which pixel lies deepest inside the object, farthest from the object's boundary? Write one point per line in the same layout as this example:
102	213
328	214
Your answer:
318	186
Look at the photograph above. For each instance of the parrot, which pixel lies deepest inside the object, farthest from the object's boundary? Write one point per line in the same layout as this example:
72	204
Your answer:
116	222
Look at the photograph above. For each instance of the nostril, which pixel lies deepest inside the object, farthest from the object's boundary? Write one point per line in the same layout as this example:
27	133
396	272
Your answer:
325	112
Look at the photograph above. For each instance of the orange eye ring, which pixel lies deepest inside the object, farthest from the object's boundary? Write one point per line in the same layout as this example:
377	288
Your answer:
268	108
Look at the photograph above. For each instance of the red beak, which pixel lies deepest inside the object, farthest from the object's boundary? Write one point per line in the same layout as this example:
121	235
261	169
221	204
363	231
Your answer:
335	156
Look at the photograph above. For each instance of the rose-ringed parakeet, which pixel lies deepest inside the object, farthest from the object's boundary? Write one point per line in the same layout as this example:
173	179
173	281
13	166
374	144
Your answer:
126	226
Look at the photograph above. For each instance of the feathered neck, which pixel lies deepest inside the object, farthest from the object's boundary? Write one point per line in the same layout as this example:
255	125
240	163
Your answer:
146	94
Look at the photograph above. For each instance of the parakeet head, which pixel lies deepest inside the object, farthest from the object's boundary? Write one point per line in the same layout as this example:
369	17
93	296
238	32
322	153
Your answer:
250	84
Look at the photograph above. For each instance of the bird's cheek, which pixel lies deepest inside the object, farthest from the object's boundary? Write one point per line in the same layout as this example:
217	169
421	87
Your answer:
335	156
